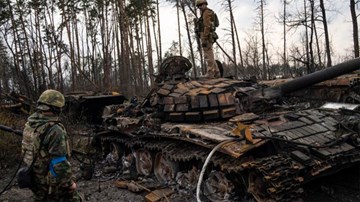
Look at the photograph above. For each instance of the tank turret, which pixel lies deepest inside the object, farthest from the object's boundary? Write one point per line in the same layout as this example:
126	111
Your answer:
180	98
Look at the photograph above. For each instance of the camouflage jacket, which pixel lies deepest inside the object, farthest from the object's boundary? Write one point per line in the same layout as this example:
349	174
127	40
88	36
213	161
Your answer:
54	147
206	25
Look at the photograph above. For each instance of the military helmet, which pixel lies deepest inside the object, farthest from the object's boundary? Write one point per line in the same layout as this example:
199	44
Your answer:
52	98
199	2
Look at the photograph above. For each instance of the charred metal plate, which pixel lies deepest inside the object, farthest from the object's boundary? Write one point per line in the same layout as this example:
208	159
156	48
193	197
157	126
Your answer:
203	101
91	106
332	105
228	112
176	117
163	92
182	107
181	89
244	118
218	90
211	114
216	134
168	100
195	103
169	108
181	100
193	116
222	99
167	86
213	100
301	157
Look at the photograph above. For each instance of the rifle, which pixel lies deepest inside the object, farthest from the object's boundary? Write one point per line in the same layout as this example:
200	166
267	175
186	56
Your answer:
10	130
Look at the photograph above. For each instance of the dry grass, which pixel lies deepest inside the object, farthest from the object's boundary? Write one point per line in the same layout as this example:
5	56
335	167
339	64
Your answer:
10	144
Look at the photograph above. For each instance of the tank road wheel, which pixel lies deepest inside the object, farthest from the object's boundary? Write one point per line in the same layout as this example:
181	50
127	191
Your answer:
144	162
188	179
116	152
127	160
217	187
164	169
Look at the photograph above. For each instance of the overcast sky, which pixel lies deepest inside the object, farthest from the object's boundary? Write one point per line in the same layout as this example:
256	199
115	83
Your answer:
245	11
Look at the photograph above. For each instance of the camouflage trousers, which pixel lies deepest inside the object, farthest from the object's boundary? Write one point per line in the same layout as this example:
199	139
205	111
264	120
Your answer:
43	192
212	68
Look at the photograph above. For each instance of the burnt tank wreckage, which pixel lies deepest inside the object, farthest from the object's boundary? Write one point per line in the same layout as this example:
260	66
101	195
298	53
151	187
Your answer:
232	139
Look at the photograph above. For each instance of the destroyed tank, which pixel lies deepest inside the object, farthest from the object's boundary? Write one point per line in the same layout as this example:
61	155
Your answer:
232	140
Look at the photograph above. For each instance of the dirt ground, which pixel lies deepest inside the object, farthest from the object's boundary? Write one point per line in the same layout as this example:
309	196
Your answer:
340	187
101	187
343	186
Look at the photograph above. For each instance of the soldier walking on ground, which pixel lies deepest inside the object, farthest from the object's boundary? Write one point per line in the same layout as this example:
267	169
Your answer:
45	142
205	29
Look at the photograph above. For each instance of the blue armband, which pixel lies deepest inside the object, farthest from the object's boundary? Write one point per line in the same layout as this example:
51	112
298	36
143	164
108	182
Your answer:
55	161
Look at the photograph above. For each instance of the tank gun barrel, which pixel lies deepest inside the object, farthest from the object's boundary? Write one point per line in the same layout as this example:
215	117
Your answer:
10	130
308	80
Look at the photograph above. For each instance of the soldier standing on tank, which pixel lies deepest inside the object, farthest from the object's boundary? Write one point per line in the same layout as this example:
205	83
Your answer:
51	173
205	29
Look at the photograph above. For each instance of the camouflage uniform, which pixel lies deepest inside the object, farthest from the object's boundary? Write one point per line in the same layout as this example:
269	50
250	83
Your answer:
206	27
51	182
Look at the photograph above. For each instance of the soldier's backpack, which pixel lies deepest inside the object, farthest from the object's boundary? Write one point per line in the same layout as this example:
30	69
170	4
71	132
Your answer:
216	24
216	20
24	174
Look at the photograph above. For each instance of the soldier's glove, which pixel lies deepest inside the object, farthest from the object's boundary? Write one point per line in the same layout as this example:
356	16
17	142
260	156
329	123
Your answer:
205	44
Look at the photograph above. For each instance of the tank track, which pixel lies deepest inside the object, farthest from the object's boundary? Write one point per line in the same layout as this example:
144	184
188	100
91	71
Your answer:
278	179
176	151
278	173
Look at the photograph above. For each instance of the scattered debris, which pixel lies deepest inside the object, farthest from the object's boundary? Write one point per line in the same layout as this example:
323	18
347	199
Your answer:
159	194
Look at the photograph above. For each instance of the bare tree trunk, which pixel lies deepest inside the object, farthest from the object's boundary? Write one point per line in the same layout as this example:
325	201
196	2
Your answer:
179	28
149	49
125	53
263	40
320	63
57	49
355	27
312	26
138	60
232	28
285	62
50	60
189	38
142	53
27	49
66	16
105	47
159	31
38	54
77	42
155	39
326	32
239	47
306	39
